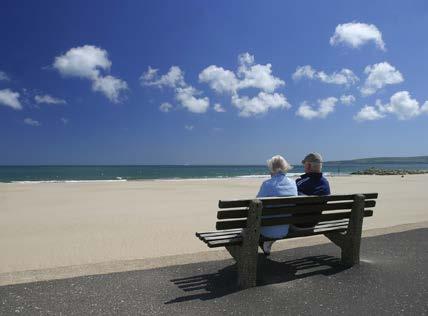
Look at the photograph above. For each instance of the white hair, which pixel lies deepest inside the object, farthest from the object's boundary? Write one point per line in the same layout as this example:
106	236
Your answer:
278	164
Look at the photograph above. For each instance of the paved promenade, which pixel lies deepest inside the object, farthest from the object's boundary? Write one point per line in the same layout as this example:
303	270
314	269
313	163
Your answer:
392	279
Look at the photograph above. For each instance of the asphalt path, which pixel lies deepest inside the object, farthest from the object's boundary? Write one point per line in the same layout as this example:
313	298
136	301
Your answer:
391	280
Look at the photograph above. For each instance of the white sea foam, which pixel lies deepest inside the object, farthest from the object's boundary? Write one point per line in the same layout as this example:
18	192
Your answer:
262	176
120	179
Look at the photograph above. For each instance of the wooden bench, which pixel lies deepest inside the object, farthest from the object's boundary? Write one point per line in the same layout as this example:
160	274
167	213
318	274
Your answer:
338	217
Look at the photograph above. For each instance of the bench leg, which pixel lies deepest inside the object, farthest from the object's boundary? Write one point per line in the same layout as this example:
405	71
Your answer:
351	248
246	263
246	254
337	238
350	242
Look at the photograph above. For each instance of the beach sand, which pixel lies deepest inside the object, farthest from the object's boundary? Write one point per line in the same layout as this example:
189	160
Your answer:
50	225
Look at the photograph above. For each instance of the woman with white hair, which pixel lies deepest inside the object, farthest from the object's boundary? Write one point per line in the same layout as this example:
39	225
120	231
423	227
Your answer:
278	185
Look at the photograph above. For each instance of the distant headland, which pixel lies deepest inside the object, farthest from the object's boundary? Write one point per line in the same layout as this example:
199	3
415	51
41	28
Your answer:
384	165
381	160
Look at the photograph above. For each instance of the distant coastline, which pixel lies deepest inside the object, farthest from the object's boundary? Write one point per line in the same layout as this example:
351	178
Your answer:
382	160
387	172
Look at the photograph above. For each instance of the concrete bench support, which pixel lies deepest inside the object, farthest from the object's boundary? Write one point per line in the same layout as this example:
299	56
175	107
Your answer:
350	242
247	253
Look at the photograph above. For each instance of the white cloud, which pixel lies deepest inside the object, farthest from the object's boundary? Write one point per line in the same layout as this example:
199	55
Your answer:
84	61
110	86
31	122
343	77
165	107
400	104
255	75
184	93
378	76
347	99
219	108
325	107
64	120
48	99
259	104
368	113
4	76
219	79
424	107
173	78
248	75
87	62
304	72
10	99
306	111
187	98
245	59
357	34
189	127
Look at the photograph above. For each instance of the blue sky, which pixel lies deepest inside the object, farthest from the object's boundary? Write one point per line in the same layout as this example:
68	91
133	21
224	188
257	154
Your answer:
75	84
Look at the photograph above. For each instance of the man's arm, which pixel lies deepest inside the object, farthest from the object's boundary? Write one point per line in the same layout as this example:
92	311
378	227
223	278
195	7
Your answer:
325	187
300	183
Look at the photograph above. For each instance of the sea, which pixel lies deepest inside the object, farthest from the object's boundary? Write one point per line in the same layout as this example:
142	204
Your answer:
26	174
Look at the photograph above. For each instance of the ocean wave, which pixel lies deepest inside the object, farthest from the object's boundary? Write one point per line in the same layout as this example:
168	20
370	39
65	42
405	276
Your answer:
261	176
120	179
255	176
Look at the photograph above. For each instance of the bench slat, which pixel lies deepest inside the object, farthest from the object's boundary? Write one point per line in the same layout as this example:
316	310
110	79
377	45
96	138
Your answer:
216	232
238	240
308	233
320	232
329	228
345	220
315	199
333	223
234	213
322	227
309	219
289	220
227	234
224	242
223	237
302	209
239	223
294	200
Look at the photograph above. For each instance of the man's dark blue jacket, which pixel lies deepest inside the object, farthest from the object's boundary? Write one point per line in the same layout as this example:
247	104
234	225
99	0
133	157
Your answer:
312	184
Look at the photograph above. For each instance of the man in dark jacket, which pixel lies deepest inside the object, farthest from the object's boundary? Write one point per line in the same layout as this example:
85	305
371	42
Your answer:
312	182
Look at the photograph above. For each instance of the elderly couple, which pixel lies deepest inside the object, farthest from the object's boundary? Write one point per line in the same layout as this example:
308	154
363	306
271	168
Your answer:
311	182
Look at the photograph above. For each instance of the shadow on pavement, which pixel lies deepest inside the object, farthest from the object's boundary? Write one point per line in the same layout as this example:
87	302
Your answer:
210	286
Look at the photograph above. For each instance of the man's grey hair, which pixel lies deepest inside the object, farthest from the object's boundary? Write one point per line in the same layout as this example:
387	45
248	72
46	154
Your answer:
278	164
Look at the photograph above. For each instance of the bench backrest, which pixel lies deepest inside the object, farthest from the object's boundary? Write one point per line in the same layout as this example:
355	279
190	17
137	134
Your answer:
300	210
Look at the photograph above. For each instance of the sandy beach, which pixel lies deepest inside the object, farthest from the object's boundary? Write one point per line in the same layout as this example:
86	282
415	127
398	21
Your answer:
50	225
